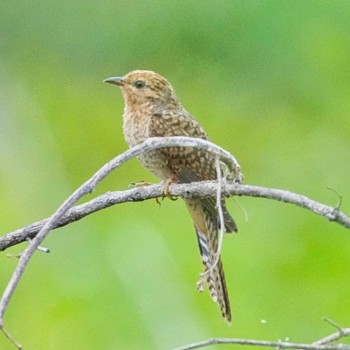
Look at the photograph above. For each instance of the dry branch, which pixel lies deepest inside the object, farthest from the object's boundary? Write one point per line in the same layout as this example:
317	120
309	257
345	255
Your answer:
194	189
264	343
326	343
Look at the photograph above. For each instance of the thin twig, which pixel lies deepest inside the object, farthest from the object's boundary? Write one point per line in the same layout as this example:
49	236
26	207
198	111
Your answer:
262	343
222	225
220	213
322	344
341	333
219	209
332	323
221	222
10	338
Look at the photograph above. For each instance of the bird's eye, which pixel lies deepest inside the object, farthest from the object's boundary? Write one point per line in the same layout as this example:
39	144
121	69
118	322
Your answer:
139	84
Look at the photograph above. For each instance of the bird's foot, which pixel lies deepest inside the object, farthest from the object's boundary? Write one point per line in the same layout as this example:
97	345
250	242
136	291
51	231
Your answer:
142	184
165	189
234	177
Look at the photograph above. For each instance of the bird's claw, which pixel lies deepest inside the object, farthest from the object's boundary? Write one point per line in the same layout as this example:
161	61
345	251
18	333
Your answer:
173	198
165	190
142	184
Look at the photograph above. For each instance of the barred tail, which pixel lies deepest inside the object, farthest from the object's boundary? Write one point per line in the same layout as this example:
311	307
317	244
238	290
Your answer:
214	277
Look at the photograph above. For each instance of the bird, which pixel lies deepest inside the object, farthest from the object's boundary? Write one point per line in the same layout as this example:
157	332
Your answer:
152	109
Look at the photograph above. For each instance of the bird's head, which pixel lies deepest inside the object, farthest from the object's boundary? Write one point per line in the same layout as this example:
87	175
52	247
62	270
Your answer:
143	87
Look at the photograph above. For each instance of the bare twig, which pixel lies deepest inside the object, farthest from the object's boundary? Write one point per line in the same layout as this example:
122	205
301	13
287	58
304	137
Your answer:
222	225
10	338
219	209
263	343
322	344
341	333
191	190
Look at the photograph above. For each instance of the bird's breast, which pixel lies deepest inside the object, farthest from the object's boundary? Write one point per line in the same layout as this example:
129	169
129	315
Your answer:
136	130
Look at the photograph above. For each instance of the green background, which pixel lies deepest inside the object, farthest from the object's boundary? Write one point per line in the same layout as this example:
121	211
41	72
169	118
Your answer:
269	81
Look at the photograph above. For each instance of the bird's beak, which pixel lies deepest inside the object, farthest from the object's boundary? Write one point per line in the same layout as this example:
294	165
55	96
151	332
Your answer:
115	80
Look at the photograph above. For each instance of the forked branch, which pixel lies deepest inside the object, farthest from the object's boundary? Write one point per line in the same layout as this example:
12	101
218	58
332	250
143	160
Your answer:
326	343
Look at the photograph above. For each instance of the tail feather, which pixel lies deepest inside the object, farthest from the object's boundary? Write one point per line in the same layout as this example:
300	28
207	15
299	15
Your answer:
214	277
206	226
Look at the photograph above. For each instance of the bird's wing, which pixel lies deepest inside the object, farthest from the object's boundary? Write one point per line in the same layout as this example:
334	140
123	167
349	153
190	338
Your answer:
175	123
193	164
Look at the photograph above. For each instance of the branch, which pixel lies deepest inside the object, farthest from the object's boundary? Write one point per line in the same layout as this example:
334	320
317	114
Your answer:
341	333
194	189
263	343
322	344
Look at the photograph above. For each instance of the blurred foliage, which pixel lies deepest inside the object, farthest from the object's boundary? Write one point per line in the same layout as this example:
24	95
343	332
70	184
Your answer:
269	80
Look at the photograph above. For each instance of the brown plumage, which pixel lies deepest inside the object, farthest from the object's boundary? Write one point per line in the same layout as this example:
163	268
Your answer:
152	109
